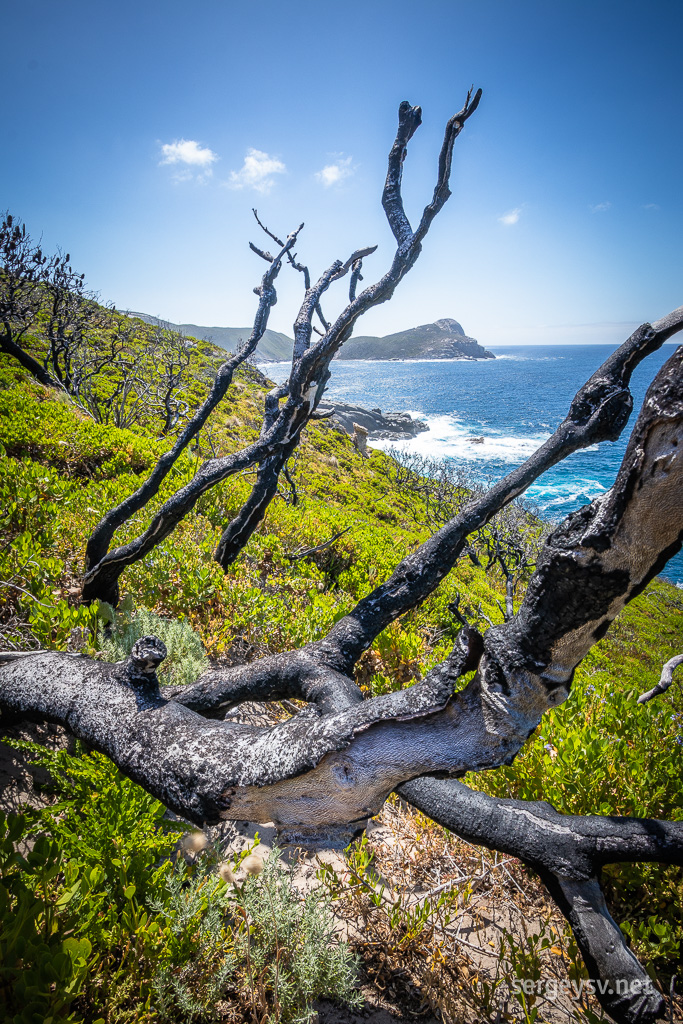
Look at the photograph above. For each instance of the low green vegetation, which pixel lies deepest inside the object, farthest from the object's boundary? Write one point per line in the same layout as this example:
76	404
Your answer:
185	657
117	929
103	920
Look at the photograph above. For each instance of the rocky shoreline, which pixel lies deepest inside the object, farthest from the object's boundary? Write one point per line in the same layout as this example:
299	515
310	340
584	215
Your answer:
393	426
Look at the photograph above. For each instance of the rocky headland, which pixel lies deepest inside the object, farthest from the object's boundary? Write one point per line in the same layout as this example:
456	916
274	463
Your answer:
444	339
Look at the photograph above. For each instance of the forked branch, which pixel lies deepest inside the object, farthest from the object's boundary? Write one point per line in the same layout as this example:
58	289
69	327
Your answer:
309	375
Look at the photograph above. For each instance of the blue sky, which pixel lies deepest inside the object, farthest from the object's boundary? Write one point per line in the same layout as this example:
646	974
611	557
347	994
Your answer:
139	135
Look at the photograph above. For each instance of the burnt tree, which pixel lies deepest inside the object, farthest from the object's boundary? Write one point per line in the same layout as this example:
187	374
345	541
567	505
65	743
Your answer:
322	773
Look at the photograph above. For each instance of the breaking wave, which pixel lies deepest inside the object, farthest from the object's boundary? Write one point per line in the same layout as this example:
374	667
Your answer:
449	437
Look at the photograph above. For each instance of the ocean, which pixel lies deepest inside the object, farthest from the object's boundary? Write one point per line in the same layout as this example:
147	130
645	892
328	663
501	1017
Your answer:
514	402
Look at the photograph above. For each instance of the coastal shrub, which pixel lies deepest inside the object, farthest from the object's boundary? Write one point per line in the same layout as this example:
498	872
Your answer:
102	921
185	659
40	972
35	424
289	951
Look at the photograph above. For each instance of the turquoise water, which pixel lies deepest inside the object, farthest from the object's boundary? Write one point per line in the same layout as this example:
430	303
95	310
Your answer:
514	402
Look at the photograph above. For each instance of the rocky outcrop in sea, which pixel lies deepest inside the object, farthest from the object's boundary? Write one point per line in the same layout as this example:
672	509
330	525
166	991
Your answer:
395	426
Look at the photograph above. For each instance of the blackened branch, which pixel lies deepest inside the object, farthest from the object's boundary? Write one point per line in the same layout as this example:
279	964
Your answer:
103	568
267	230
311	304
568	852
260	252
240	529
356	276
598	412
441	191
409	120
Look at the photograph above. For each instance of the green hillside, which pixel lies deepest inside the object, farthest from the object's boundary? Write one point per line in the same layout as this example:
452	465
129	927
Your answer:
444	339
273	346
122	935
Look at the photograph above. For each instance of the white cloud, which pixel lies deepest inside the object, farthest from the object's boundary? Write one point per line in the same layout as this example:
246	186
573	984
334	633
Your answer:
652	206
600	207
193	162
333	174
511	217
187	151
256	172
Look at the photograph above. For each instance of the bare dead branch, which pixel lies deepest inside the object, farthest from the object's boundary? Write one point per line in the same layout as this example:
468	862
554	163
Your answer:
238	532
441	191
261	252
298	555
598	412
665	680
568	852
409	120
356	276
292	486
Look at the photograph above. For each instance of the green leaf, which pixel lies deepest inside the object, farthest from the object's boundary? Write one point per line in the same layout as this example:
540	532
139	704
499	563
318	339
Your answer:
77	948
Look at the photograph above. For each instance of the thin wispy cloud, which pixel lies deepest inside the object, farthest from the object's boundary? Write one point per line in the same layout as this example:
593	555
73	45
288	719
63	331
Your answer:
511	217
651	206
334	173
600	207
256	172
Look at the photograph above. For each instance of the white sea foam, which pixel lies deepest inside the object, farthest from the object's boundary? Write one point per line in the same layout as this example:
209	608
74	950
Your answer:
449	437
575	492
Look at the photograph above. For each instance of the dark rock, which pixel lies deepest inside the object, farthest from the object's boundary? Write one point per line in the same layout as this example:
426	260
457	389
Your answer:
396	426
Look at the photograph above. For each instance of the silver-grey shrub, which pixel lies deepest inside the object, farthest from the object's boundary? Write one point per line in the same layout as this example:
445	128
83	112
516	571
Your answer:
186	658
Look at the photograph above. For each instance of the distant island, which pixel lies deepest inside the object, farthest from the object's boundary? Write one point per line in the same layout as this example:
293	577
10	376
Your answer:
444	339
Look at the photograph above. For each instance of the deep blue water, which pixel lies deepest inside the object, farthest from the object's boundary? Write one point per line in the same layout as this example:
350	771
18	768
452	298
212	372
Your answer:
514	402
